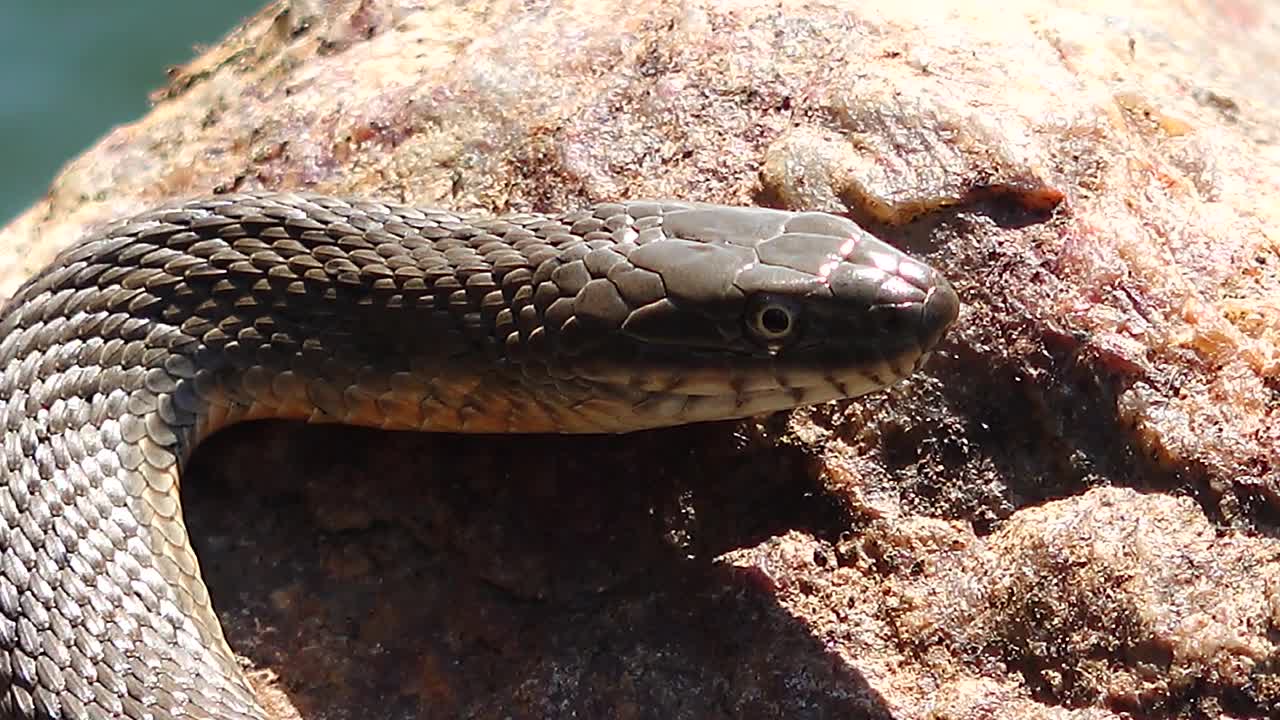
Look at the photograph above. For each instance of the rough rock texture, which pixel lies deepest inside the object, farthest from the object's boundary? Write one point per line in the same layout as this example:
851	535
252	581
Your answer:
1072	514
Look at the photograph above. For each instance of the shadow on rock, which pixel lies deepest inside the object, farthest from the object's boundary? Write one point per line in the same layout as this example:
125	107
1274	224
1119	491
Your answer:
527	577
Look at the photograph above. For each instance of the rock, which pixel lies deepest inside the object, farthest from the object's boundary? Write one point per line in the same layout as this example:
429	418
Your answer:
1071	514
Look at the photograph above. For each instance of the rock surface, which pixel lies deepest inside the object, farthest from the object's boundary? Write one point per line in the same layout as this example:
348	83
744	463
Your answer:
1072	514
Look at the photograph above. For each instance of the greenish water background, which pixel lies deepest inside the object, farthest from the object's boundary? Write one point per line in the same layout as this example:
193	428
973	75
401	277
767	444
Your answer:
70	70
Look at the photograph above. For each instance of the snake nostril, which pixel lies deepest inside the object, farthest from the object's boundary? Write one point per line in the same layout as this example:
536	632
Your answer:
892	321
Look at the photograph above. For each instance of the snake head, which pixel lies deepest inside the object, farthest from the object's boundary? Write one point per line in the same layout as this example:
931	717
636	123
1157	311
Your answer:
712	312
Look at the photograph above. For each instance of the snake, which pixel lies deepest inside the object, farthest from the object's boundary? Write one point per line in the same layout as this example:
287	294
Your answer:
157	330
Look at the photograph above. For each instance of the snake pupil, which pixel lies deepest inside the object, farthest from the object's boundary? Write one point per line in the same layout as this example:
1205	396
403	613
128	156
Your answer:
775	320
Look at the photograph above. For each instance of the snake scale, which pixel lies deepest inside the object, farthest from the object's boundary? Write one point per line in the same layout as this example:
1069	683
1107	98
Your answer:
151	334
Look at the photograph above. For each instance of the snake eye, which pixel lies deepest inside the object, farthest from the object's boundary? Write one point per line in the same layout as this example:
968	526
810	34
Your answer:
772	321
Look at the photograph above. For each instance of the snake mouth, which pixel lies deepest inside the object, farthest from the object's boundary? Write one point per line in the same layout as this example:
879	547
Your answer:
723	386
660	401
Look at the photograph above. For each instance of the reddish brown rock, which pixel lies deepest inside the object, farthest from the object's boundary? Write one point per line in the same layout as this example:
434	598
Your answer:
1070	515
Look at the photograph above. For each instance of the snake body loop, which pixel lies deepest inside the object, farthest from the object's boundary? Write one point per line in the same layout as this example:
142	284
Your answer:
146	337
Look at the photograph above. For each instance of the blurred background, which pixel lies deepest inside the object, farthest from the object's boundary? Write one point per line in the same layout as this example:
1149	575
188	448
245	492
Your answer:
70	70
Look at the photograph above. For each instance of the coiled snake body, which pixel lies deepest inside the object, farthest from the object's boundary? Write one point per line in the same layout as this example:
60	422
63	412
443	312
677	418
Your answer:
153	333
